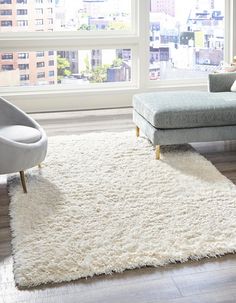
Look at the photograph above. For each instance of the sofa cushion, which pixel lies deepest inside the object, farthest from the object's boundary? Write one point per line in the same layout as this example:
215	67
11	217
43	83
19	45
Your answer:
233	87
20	133
186	109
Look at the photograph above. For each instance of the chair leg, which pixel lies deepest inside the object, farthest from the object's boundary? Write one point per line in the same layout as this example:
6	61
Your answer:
39	165
22	178
158	152
137	131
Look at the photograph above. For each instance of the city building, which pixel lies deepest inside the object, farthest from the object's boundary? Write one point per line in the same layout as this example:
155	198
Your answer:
33	68
163	6
94	8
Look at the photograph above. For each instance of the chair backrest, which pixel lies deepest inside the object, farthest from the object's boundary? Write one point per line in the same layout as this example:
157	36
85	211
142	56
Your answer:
221	82
10	114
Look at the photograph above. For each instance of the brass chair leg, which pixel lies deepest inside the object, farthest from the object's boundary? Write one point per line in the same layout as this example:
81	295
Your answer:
137	131
158	152
22	178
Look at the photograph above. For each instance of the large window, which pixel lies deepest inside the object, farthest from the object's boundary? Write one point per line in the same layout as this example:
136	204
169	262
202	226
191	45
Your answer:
71	15
124	46
186	38
70	67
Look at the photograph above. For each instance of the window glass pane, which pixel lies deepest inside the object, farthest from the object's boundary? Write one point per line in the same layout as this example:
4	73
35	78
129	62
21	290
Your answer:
65	67
65	15
186	38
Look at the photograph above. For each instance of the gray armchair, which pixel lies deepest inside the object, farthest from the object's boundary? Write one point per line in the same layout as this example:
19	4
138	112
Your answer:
23	143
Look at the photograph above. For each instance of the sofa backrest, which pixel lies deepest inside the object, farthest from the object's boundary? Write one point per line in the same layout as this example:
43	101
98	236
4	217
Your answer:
221	82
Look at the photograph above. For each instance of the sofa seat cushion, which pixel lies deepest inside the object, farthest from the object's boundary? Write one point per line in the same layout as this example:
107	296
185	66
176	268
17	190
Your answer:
20	133
186	109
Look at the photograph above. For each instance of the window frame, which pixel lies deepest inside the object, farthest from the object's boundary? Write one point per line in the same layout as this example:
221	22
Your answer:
136	39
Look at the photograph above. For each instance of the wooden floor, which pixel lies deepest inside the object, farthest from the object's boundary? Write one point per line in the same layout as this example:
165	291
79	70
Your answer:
209	280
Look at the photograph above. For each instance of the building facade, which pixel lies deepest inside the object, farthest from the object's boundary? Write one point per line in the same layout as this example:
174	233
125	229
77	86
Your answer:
163	6
29	68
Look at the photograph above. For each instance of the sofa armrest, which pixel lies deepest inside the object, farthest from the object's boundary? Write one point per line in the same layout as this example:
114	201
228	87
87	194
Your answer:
221	82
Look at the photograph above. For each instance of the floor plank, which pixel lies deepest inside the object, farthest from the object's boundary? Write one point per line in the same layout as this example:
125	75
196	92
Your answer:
205	281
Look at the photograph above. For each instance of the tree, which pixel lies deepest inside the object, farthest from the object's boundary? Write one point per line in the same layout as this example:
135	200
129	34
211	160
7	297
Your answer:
117	62
84	27
63	68
99	74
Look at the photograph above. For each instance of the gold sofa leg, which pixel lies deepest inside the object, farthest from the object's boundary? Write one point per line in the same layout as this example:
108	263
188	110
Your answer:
137	131
22	178
158	152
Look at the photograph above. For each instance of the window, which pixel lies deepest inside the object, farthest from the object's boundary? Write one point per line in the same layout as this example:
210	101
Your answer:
5	12
21	12
6	67
39	11
24	77
83	16
40	64
7	56
6	23
41	75
5	1
81	67
186	38
23	55
40	54
23	66
22	23
130	45
21	1
39	22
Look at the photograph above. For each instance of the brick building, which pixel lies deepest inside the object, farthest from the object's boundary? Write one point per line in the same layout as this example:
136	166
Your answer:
31	68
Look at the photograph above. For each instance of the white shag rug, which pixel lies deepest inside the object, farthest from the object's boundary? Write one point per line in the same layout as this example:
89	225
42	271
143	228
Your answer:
102	204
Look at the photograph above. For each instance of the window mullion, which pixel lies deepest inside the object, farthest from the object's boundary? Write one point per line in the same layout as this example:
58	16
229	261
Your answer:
34	44
143	51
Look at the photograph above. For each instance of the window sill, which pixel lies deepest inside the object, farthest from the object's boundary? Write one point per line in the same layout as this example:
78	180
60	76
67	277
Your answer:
74	99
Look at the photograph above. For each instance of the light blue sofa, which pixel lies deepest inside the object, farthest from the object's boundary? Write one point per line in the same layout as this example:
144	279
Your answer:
178	117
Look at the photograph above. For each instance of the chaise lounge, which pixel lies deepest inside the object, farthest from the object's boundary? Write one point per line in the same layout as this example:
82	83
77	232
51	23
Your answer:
179	117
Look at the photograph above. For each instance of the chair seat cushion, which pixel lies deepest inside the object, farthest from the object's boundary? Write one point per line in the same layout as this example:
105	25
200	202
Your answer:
20	133
186	109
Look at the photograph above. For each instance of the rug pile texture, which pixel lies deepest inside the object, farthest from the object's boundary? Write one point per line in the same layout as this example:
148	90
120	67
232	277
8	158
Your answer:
101	203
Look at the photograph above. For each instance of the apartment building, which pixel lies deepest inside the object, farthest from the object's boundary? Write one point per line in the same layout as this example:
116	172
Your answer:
163	6
27	68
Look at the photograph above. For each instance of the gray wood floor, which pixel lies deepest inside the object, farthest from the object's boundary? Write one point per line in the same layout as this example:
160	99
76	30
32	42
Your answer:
209	280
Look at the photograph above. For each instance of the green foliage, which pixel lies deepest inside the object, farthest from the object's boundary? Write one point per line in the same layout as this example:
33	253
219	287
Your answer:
86	27
63	68
86	62
117	62
99	74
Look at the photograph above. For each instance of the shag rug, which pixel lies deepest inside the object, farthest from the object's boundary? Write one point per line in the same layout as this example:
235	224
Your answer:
101	203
